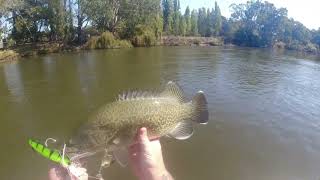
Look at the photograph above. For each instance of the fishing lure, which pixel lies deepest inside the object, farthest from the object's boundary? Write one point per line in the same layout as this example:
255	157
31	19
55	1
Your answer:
52	154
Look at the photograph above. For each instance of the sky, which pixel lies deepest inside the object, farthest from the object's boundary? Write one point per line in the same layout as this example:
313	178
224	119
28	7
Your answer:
305	11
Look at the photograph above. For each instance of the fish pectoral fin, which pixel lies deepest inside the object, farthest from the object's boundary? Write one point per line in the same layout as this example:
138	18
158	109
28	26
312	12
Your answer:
121	156
182	131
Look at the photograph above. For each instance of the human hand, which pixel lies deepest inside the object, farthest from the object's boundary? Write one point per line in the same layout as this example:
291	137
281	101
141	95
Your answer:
146	158
68	173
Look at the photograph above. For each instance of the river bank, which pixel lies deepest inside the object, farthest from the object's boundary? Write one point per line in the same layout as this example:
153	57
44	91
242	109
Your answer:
107	41
8	55
191	41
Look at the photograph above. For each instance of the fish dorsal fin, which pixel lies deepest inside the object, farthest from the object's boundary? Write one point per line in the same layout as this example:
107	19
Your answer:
173	90
134	94
121	156
182	131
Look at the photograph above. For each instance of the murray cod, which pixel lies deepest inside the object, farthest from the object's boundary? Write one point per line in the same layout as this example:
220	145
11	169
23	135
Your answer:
167	113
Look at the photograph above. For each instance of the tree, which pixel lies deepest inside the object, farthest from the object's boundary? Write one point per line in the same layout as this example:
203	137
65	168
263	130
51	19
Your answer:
182	26
187	20
217	20
194	23
29	20
144	13
8	6
56	19
104	14
202	21
82	7
210	30
176	17
260	23
167	9
316	37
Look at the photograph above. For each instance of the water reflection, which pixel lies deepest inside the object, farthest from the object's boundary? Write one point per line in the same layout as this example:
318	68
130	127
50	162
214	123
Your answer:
14	82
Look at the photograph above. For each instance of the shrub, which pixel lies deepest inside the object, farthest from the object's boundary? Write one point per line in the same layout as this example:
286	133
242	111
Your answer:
124	44
310	47
11	43
92	43
106	41
144	36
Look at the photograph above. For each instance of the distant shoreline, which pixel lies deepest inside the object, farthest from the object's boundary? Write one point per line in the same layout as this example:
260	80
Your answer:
34	49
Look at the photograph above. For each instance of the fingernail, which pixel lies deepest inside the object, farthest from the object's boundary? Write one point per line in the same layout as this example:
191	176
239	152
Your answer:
143	130
143	134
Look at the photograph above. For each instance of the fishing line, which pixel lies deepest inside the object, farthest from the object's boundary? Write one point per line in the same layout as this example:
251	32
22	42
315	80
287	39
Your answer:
49	139
63	152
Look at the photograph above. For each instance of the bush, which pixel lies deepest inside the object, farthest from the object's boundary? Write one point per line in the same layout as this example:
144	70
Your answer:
11	43
294	45
310	47
124	44
106	41
92	43
144	37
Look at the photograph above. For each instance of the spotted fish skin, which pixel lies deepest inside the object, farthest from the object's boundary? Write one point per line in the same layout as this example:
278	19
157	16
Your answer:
166	113
53	155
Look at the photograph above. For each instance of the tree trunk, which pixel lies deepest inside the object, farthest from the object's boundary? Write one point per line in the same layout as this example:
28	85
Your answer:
14	29
80	22
79	30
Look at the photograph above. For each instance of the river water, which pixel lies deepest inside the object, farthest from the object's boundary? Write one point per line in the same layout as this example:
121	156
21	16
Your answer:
264	108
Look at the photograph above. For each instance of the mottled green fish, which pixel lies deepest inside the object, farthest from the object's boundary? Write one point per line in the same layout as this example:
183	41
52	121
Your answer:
167	113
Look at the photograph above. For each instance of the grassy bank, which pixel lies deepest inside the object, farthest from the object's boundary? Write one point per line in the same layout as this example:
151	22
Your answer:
8	55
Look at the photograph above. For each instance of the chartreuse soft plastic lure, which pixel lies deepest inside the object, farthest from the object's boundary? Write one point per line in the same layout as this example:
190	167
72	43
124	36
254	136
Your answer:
53	155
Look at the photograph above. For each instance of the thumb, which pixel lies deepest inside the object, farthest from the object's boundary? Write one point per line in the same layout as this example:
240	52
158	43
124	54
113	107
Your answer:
143	136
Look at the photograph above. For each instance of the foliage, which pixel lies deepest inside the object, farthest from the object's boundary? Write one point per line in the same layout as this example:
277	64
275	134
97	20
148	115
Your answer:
144	37
11	43
106	41
261	24
316	37
187	17
217	20
255	23
194	23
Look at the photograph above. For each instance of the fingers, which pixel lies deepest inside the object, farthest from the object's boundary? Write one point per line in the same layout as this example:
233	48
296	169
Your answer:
53	175
143	136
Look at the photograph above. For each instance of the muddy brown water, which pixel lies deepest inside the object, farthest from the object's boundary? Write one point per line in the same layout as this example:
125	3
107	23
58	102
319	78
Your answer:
264	108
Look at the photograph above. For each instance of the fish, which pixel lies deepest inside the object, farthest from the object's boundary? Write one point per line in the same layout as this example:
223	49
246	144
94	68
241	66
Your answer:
113	126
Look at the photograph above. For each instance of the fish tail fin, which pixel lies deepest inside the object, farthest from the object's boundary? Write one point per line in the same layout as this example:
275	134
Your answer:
200	112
